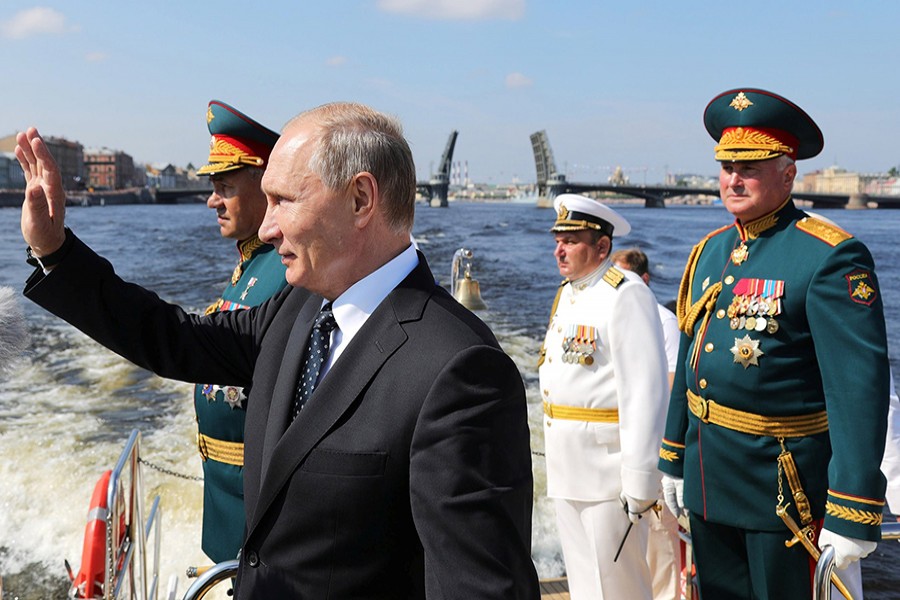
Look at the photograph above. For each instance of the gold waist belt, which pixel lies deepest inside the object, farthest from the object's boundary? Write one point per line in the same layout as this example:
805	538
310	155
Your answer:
230	453
577	413
792	426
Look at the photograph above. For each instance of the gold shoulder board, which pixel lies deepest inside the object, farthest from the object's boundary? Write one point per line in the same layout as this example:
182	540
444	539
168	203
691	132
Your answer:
613	277
718	231
828	233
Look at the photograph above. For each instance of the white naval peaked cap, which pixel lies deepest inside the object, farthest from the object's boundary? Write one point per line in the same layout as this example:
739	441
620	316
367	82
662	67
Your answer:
575	212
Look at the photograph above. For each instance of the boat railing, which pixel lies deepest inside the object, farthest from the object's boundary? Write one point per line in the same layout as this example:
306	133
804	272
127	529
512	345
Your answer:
825	564
126	532
154	525
822	576
127	548
685	536
210	578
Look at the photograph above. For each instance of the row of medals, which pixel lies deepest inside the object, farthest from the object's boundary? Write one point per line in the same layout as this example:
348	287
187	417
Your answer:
579	343
754	313
231	394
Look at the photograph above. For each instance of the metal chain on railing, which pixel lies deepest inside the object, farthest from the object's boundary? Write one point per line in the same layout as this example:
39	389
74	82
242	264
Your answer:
156	467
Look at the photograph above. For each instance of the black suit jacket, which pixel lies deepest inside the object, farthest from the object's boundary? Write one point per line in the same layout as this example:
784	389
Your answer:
407	474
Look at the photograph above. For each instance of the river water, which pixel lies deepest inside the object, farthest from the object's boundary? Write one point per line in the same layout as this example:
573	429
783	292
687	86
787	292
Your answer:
68	405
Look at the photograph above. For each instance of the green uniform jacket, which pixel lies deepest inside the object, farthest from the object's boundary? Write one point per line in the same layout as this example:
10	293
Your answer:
826	351
221	409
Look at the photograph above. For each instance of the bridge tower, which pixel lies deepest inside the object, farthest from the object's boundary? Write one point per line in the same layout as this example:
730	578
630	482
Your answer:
440	180
551	182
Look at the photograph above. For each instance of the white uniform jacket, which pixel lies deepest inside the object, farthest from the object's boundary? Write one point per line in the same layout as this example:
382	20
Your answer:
890	464
595	461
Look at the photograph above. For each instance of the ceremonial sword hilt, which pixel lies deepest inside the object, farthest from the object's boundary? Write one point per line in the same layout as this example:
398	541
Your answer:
804	536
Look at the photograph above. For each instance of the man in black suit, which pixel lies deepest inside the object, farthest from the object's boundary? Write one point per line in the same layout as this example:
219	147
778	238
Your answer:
407	471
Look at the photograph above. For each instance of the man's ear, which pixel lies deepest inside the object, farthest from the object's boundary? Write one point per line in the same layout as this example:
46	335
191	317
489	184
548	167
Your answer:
364	193
604	244
790	173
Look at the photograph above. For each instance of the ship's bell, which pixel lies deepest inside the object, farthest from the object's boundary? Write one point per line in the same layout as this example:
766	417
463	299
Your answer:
468	293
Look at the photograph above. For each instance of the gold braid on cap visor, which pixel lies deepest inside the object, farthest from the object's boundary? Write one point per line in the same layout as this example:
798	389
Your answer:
223	152
245	159
570	225
749	144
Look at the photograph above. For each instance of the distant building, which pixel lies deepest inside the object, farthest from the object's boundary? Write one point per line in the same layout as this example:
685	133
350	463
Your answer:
168	176
11	175
69	156
8	143
140	175
883	186
832	180
835	180
109	169
691	181
618	177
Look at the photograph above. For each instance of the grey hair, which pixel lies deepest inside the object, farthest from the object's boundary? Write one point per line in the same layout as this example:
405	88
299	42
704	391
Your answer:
783	162
256	172
355	138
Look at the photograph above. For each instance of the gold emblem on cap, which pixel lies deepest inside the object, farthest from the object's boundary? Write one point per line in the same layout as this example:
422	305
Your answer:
209	115
563	213
740	102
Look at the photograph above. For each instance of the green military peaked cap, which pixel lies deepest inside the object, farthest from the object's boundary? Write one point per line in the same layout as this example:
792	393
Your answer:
237	140
753	124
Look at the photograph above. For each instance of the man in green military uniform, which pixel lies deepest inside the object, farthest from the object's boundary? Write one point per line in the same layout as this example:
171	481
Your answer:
239	151
781	390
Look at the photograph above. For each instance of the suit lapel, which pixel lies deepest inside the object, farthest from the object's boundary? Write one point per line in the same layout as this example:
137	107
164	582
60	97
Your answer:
372	346
288	375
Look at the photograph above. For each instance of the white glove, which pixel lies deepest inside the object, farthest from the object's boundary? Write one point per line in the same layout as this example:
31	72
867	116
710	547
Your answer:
634	507
846	549
673	494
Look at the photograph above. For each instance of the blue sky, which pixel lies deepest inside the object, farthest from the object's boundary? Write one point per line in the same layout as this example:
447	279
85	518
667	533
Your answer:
613	84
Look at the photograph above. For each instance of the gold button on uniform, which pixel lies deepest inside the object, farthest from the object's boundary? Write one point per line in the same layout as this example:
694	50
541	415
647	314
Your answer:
729	280
709	347
703	384
720	313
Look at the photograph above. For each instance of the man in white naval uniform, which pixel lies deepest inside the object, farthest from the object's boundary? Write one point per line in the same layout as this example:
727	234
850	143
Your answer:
603	382
663	543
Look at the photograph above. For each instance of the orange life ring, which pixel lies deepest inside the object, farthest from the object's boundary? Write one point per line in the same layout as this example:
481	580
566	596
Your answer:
91	576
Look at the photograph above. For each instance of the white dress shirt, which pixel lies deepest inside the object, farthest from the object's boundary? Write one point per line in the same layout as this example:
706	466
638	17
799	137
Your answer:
355	306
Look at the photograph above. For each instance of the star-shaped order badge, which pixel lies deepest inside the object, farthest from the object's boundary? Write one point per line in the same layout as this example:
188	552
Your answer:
746	351
233	396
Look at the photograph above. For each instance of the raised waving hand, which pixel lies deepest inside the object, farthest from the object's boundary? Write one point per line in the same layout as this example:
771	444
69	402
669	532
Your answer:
44	209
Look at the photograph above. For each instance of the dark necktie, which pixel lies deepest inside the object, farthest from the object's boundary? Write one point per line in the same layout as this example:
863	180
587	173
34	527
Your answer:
316	355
